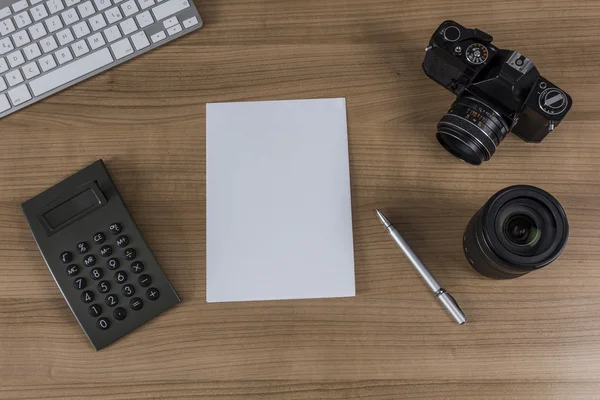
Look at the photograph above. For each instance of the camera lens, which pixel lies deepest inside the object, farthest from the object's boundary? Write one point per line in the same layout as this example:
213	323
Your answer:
471	130
519	230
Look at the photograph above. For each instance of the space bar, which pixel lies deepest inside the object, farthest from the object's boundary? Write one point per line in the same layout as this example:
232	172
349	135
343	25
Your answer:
70	72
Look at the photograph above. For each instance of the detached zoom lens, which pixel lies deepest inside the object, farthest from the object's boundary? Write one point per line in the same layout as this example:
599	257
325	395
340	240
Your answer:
519	230
472	130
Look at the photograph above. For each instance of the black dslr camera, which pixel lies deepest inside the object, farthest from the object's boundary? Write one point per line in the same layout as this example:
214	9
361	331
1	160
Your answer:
497	91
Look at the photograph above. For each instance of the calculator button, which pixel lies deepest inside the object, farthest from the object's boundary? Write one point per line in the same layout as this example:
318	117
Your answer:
106	251
113	264
87	296
66	257
96	274
112	300
80	283
130	254
122	241
89	261
99	238
144	280
83	247
115	228
103	323
137	267
95	310
120	277
128	290
104	287
120	313
152	294
136	304
72	270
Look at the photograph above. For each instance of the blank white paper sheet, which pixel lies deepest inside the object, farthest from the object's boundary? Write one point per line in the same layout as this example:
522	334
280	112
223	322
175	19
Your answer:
278	205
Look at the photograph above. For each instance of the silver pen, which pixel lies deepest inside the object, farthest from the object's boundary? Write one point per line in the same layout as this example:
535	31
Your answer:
440	293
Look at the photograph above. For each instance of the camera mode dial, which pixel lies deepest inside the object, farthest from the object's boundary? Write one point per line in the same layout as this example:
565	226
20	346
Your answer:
477	53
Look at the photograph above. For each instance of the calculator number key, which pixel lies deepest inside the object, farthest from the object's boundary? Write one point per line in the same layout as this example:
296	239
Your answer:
137	267
113	264
121	277
99	238
79	283
72	270
89	261
66	257
103	323
115	228
95	310
152	294
104	287
96	274
128	290
130	254
136	304
112	300
83	247
106	251
87	296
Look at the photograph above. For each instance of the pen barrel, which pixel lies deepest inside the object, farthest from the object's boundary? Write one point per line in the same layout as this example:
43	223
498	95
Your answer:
450	304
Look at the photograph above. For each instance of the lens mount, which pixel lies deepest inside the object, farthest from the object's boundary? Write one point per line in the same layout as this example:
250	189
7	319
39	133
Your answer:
519	230
471	130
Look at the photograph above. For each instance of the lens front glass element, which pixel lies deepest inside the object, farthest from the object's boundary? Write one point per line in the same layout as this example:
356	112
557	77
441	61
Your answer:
521	230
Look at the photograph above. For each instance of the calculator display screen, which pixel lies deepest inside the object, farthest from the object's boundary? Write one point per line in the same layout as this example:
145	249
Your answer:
71	208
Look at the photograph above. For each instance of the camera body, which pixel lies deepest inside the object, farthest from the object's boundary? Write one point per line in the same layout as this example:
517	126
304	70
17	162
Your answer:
505	91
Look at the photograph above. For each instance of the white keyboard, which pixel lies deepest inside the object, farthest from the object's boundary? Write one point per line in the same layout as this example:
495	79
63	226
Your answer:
47	46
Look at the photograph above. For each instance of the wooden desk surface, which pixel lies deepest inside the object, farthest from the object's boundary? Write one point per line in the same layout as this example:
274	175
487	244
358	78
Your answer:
537	337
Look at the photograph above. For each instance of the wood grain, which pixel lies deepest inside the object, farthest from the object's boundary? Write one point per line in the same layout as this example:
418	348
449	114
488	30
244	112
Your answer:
537	337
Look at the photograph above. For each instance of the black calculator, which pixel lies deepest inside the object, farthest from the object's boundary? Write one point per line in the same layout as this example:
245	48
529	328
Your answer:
97	255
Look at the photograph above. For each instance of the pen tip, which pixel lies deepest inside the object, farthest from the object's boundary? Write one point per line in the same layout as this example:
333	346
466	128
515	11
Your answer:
383	219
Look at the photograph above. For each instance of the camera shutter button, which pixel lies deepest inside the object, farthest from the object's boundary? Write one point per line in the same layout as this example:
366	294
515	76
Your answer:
452	34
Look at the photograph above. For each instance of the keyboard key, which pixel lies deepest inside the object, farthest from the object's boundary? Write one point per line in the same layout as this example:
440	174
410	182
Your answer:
140	40
169	8
48	44
102	4
70	16
169	22
5	12
129	8
37	31
144	19
146	3
4	104
21	38
65	36
7	27
81	29
34	2
97	22
121	49
31	70
15	58
55	6
158	36
190	22
128	26
47	63
71	71
70	3
3	65
174	29
113	15
20	5
53	23
113	33
32	51
22	19
64	55
39	12
80	48
86	9
96	40
3	86
13	78
6	46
